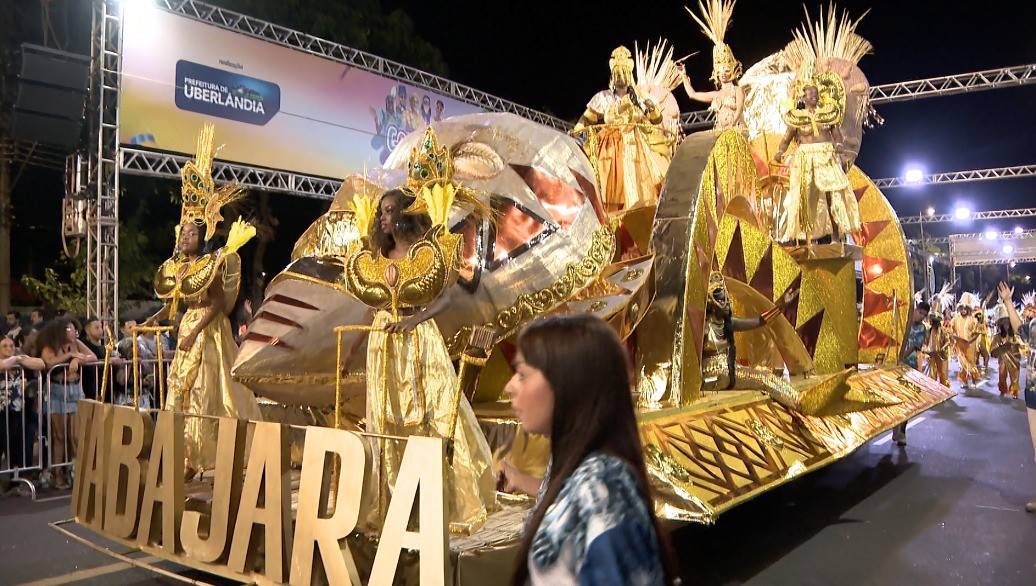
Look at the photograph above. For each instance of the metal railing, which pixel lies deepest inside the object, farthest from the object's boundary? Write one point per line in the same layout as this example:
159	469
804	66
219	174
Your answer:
38	413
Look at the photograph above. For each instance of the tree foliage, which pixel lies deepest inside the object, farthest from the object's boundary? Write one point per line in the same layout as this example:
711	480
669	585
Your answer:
361	24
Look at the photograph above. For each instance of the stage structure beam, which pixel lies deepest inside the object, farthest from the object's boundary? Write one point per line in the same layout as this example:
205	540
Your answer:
154	164
946	85
102	241
306	43
994	215
960	176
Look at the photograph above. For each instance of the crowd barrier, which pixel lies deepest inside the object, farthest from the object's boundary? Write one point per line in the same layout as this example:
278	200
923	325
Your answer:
38	413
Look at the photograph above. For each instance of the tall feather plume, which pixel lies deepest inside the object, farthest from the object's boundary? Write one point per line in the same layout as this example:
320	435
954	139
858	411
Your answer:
655	67
715	18
828	36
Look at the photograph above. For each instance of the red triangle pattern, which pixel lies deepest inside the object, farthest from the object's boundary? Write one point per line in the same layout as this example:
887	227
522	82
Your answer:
859	191
875	266
875	303
871	338
809	333
870	230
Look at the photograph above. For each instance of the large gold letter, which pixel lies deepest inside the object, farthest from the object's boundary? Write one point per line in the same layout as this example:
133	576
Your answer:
164	485
226	493
94	471
265	505
314	529
84	418
424	464
130	430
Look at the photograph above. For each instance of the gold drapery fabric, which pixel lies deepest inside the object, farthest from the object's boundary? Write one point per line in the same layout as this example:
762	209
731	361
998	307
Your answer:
200	383
411	390
816	176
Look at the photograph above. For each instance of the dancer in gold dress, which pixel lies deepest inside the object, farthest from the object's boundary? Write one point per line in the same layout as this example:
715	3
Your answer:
404	271
206	283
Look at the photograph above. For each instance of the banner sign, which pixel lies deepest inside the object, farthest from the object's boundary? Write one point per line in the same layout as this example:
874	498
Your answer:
273	106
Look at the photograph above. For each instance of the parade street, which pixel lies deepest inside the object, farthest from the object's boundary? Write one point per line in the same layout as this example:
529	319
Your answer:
946	509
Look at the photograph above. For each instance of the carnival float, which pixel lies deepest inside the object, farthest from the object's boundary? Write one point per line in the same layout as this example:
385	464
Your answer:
758	278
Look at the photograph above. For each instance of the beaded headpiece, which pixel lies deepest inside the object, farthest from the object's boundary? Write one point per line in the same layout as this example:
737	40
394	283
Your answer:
201	200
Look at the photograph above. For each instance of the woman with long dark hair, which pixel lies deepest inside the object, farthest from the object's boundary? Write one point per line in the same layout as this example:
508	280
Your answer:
59	344
593	522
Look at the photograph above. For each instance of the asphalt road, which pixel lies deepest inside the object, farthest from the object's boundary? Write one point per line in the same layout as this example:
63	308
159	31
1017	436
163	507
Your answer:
946	509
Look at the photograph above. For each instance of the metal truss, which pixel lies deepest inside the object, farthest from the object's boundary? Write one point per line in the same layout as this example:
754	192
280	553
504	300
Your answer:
102	241
995	215
154	164
974	236
946	85
33	153
960	176
300	41
989	79
986	260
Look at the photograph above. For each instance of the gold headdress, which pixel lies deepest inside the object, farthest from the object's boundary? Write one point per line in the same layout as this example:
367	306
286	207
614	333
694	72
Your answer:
428	268
715	18
201	200
814	45
621	66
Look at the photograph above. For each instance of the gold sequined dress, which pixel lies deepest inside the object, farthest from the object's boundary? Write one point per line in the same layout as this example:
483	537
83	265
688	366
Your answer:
199	379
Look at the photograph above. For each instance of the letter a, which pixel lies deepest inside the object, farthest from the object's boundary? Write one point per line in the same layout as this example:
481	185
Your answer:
424	464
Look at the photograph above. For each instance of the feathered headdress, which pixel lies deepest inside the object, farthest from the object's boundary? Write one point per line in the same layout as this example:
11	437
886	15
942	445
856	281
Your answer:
829	37
201	200
714	20
969	300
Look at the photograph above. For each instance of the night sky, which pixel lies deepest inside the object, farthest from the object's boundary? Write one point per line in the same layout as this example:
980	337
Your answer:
552	56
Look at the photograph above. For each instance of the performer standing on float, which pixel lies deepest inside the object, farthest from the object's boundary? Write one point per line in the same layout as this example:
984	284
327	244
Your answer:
964	331
207	282
404	271
820	202
727	102
629	171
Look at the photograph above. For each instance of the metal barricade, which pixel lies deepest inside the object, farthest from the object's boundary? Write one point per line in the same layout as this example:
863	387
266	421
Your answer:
124	382
20	424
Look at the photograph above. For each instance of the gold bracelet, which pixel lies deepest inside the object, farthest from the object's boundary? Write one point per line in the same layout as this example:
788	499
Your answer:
770	314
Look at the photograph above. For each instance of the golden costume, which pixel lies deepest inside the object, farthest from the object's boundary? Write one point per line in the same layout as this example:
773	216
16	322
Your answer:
819	191
412	387
820	196
621	141
964	329
982	344
936	351
714	21
199	379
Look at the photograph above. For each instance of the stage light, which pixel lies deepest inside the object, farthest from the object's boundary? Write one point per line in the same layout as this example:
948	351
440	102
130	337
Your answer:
991	234
1013	264
931	259
1018	230
930	211
962	213
913	175
1008	248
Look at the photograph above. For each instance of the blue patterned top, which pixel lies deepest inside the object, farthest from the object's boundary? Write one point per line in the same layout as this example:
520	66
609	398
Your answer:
915	340
597	531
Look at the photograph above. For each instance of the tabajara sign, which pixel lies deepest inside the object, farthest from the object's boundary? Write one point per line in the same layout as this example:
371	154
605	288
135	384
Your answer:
129	486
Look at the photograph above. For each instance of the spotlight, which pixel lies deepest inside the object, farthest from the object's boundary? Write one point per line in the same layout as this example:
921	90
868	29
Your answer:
962	213
991	234
1008	248
913	175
